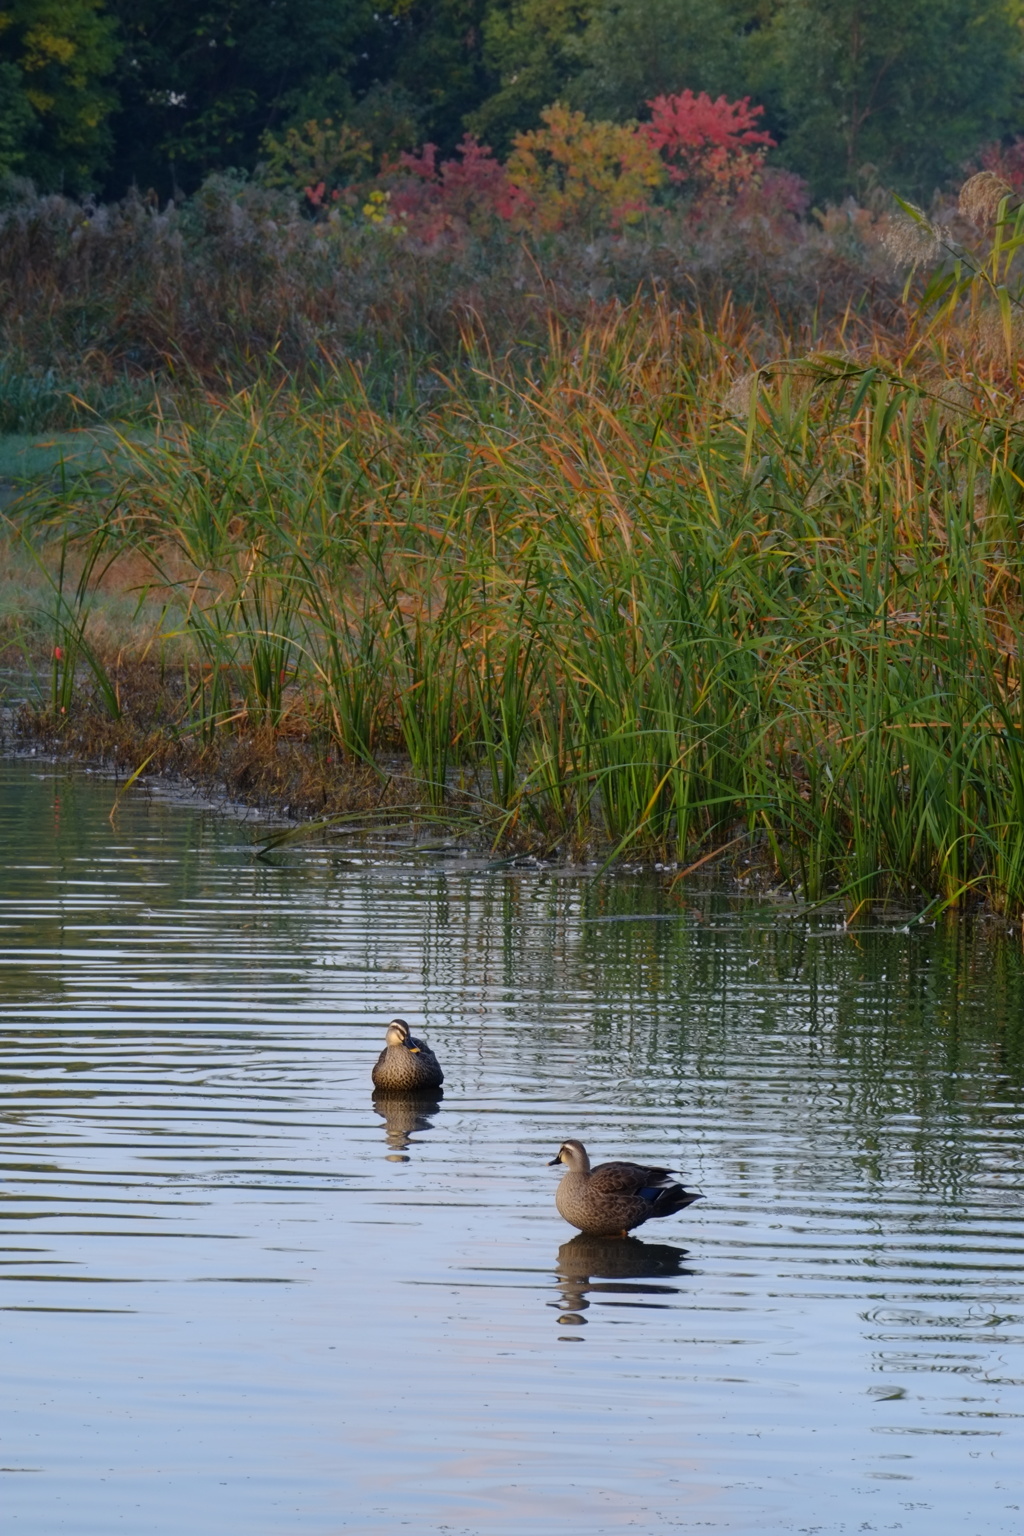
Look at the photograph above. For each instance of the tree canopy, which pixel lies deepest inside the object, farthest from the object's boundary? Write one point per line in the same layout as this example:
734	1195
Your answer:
902	91
632	50
103	94
56	64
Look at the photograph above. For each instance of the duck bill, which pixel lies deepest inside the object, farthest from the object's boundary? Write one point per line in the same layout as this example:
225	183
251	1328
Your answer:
555	1161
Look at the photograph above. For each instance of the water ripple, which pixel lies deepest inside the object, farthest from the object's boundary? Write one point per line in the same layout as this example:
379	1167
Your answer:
186	1042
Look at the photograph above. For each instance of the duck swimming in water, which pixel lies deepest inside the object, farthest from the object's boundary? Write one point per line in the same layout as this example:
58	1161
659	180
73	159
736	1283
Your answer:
613	1198
406	1064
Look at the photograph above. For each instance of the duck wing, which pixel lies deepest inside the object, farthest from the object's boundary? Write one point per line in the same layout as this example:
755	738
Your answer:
628	1178
425	1054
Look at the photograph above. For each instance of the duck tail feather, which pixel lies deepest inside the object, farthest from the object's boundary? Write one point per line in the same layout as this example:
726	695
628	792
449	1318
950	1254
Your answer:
668	1201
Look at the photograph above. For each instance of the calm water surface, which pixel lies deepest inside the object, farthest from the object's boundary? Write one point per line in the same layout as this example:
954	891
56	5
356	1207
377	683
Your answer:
240	1300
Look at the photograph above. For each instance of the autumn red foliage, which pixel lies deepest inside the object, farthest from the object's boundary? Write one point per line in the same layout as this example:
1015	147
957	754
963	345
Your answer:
573	170
714	146
470	191
1007	161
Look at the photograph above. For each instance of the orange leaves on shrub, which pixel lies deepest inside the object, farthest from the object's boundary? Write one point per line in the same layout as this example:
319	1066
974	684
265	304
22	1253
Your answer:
715	146
574	170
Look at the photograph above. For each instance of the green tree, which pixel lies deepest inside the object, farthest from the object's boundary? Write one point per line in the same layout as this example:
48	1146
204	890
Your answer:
56	58
530	51
16	118
903	90
435	55
632	50
201	81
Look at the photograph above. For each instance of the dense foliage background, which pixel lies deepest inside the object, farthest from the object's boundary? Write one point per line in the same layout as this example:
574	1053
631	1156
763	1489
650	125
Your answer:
101	95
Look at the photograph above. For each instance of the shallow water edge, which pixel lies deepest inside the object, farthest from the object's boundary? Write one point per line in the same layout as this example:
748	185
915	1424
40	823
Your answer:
240	1294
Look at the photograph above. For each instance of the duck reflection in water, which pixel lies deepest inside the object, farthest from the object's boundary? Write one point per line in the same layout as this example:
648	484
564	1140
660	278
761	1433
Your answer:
607	1266
404	1113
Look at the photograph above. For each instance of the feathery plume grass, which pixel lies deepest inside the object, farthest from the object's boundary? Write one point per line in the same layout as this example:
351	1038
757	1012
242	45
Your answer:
980	197
911	238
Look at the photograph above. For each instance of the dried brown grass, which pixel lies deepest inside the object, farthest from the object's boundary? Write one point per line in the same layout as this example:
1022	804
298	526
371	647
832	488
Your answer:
236	281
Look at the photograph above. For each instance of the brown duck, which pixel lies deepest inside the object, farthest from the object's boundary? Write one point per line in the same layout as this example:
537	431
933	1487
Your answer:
611	1199
406	1065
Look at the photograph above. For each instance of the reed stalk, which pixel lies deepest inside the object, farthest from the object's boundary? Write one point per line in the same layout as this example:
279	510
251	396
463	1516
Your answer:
622	610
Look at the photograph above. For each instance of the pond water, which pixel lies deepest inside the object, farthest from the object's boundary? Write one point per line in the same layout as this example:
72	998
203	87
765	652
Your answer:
240	1299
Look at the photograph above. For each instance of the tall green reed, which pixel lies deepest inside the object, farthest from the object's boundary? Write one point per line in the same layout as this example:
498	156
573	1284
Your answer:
71	572
615	611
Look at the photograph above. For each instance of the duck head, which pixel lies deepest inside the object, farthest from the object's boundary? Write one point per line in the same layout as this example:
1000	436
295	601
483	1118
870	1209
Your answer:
574	1155
398	1033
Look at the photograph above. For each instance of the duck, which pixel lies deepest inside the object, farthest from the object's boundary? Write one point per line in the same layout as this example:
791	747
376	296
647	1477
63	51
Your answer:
406	1065
613	1198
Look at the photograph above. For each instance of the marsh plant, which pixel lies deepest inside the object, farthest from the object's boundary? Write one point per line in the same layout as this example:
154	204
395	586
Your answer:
648	595
248	276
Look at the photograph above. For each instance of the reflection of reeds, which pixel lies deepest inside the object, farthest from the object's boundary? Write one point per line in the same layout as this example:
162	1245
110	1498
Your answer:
600	614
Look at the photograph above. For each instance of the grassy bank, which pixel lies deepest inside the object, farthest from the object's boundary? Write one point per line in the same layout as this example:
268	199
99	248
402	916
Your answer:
639	599
656	581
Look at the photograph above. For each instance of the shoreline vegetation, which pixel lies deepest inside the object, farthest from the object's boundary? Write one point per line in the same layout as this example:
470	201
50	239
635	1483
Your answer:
584	549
